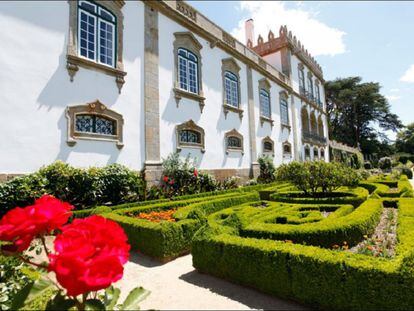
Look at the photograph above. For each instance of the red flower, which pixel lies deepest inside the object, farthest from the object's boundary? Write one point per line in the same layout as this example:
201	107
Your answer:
22	225
165	178
195	172
90	254
172	182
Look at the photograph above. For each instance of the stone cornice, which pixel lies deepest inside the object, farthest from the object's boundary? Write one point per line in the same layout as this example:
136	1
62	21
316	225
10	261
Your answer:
189	17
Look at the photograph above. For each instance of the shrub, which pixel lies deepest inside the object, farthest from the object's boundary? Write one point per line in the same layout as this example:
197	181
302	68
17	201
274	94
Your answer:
406	171
267	169
112	184
182	177
312	177
385	163
367	165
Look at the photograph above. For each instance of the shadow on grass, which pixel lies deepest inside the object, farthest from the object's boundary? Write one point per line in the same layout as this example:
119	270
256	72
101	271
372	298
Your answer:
247	296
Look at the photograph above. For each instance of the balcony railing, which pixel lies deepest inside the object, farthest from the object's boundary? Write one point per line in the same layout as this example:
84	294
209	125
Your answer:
314	138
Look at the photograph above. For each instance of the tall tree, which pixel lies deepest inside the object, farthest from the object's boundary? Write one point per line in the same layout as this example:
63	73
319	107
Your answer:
405	140
358	113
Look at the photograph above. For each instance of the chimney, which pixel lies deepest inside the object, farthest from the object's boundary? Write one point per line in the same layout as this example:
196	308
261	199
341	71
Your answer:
249	29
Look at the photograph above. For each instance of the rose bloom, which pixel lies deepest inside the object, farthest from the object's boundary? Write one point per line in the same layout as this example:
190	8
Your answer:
89	255
22	225
165	179
195	172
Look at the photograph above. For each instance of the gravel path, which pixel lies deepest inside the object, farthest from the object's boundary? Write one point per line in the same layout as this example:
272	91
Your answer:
177	286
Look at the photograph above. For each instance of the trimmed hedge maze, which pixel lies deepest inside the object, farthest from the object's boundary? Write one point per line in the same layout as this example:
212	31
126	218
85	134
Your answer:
285	246
167	240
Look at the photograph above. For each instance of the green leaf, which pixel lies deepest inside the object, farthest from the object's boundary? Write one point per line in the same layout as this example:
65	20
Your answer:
94	304
111	297
21	296
59	302
134	297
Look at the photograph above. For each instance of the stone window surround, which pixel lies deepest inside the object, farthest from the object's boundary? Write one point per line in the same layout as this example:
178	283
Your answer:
284	95
187	40
265	85
190	125
268	139
93	108
74	61
234	133
230	64
284	153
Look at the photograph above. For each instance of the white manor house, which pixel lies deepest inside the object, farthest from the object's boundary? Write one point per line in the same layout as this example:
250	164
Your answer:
97	82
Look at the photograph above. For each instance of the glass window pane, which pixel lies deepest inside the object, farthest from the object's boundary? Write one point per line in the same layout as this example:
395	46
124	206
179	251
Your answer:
182	73
88	6
234	142
106	43
264	103
87	35
268	146
84	123
188	136
192	77
105	126
284	113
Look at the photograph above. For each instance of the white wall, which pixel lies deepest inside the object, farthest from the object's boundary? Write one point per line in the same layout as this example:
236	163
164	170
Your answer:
35	90
212	119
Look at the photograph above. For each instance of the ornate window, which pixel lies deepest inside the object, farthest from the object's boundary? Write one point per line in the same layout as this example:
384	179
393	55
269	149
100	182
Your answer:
187	60
310	86
315	153
318	94
307	153
305	121
322	151
314	126
94	121
301	76
287	149
234	141
187	71
231	86
264	101
189	135
265	104
320	127
268	146
284	109
95	38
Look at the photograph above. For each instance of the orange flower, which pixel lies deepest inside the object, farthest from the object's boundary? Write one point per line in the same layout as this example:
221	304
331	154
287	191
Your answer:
158	216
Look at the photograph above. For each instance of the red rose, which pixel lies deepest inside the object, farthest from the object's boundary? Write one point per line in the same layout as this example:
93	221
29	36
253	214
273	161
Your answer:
89	255
165	178
172	182
22	225
195	172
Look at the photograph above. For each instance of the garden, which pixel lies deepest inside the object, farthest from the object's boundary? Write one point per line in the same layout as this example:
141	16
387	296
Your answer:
322	234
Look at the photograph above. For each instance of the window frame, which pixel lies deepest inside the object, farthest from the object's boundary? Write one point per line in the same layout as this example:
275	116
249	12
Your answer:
301	78
189	126
284	153
98	18
234	134
283	100
265	140
95	116
74	58
265	94
95	108
187	61
233	83
230	66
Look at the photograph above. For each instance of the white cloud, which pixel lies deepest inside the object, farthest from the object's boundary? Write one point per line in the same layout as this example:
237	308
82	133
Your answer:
317	37
392	98
408	75
394	90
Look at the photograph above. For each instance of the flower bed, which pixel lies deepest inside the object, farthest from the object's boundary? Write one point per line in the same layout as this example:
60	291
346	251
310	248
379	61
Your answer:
245	245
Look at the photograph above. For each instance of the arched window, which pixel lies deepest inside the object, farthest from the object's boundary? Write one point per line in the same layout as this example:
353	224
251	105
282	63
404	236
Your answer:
234	141
94	121
318	94
96	33
310	86
305	120
315	153
231	83
268	145
287	149
301	76
314	126
320	127
189	135
322	151
284	109
265	103
187	71
307	153
91	123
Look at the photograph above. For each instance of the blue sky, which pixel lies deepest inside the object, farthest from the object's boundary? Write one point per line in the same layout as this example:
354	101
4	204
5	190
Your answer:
370	39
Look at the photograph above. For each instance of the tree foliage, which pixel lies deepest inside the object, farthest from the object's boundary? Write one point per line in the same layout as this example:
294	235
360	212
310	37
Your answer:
358	114
405	140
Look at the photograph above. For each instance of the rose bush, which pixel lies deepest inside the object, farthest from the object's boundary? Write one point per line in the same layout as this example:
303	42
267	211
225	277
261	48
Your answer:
89	255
